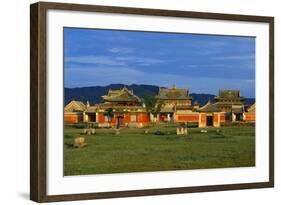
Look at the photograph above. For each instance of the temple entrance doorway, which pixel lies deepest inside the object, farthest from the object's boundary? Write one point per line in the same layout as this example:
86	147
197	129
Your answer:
210	120
92	117
239	117
119	121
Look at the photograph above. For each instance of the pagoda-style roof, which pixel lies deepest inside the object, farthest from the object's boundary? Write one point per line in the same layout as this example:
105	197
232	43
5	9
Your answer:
209	107
121	95
173	94
229	95
252	108
91	109
75	106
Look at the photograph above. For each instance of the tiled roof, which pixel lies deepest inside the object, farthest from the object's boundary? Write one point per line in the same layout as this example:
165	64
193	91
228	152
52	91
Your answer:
122	95
252	108
209	107
229	103
229	95
91	109
173	93
75	106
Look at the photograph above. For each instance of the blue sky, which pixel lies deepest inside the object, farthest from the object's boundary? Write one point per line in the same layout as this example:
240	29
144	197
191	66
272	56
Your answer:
201	63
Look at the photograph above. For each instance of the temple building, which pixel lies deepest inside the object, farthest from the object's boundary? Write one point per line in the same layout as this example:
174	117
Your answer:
231	104
73	112
210	115
250	115
177	105
122	108
119	108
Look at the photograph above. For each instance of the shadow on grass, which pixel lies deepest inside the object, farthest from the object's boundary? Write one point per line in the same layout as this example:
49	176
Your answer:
69	145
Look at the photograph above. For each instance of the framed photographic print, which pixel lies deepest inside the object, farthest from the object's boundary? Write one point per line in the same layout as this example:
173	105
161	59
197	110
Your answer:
134	102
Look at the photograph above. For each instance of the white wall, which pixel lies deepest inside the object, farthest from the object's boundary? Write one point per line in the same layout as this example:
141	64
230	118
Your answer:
14	103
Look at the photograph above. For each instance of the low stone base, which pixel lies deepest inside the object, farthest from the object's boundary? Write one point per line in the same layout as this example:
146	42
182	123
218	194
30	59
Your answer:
90	131
79	142
182	131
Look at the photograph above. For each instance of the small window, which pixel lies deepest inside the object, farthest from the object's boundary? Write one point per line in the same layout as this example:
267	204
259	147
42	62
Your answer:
133	118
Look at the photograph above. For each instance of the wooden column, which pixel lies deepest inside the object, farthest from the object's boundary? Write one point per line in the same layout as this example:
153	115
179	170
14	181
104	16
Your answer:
202	120
233	117
85	117
216	120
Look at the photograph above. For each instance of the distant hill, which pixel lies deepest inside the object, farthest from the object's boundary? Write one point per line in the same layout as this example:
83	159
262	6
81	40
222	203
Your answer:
93	94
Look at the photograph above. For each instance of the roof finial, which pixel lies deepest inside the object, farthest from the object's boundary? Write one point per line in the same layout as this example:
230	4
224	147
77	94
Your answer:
174	86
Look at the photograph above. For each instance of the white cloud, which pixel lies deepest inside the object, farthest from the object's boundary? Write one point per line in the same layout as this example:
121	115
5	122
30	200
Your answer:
100	60
215	44
121	50
114	61
245	66
191	66
234	57
144	61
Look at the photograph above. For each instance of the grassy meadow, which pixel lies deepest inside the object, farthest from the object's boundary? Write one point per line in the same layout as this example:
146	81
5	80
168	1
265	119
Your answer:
134	151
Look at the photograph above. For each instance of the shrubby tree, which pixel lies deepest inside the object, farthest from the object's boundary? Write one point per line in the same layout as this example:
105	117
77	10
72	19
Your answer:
109	113
152	105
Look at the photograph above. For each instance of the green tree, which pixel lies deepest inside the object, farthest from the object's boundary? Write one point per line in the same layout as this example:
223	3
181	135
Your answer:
109	113
152	105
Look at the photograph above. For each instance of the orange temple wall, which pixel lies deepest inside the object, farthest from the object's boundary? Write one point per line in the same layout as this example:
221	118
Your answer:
188	118
141	118
250	117
73	118
222	118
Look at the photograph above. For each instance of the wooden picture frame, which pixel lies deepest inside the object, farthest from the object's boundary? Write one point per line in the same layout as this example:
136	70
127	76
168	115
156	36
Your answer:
38	100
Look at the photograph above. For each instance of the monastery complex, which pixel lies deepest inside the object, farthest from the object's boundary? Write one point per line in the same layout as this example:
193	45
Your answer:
128	110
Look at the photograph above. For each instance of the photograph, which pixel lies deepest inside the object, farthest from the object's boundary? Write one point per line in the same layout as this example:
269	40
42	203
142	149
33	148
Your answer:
136	101
146	101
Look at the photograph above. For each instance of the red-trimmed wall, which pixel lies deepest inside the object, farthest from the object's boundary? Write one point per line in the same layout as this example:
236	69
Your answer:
188	118
141	118
127	118
203	118
216	117
250	117
73	118
222	118
101	118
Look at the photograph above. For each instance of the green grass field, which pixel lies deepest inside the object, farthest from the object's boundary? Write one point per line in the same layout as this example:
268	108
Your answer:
135	151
